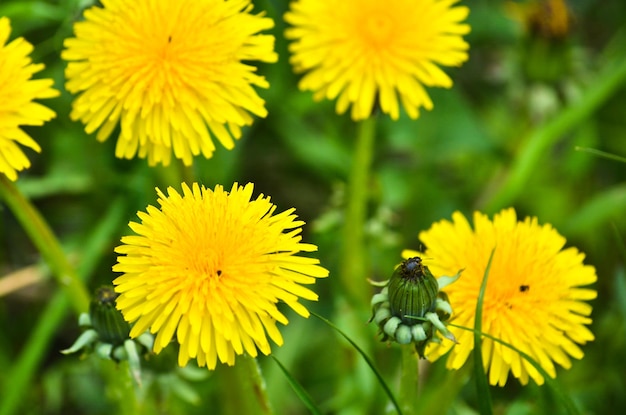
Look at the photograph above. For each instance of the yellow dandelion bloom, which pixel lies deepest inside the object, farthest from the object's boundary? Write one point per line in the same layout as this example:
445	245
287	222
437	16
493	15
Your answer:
533	298
172	74
17	92
210	266
360	51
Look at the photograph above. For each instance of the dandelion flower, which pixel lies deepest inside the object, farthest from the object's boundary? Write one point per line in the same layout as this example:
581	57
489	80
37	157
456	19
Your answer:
533	299
210	266
360	51
17	92
170	73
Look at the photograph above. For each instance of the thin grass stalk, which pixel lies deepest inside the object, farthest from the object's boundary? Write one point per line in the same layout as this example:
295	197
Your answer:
47	244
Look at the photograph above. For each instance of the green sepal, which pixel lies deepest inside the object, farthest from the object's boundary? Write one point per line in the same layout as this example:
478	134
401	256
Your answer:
446	280
104	350
84	321
87	338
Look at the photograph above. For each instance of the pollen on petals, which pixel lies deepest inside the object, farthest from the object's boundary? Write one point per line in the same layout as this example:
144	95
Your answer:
207	269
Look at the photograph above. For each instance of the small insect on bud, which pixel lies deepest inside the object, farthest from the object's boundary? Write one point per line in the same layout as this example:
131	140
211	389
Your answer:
410	308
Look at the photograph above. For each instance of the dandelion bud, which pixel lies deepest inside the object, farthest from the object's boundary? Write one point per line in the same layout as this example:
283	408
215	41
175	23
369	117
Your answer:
106	319
412	291
410	308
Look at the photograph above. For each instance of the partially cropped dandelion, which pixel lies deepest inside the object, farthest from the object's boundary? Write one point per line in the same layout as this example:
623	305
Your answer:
17	92
209	267
363	51
533	299
174	75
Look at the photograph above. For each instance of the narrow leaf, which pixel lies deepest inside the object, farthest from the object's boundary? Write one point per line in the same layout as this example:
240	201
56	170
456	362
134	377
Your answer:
367	359
298	389
601	154
482	386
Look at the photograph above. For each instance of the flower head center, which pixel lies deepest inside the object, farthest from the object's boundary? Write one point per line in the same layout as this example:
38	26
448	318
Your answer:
204	265
164	56
377	30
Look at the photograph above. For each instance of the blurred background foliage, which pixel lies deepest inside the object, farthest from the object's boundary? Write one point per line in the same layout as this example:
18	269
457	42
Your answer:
530	66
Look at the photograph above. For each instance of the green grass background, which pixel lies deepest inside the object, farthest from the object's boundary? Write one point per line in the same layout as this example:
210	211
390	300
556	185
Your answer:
454	158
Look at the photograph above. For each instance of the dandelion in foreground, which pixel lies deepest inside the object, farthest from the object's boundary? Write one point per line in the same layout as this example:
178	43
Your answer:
209	267
172	74
17	92
533	299
362	51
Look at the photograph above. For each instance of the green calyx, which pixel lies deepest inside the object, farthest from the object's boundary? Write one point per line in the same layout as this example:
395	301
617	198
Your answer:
412	291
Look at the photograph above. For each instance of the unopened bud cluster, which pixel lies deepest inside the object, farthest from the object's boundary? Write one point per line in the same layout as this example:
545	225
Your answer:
106	333
411	308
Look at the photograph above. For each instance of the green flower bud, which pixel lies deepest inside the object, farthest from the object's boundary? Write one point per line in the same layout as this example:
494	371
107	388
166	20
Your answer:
443	308
106	319
412	291
410	308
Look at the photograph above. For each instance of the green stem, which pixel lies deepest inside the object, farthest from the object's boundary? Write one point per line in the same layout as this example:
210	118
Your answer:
243	389
535	145
354	267
409	380
121	388
258	384
47	244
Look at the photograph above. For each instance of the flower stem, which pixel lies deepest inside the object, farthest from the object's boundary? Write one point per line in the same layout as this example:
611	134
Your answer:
258	384
120	386
409	380
354	259
47	244
243	388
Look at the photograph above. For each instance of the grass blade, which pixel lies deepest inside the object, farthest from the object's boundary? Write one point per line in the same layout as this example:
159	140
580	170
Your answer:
367	359
601	154
482	386
305	398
